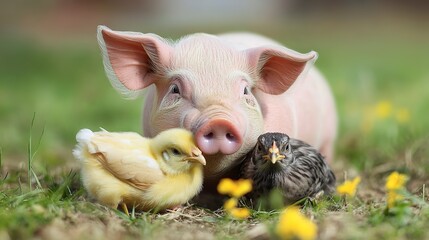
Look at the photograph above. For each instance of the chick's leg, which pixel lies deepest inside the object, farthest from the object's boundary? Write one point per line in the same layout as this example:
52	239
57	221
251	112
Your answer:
125	208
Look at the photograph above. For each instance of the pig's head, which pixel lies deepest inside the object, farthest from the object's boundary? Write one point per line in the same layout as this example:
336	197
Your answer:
202	84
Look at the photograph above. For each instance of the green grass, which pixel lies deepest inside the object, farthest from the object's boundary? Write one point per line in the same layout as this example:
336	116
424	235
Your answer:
31	154
48	93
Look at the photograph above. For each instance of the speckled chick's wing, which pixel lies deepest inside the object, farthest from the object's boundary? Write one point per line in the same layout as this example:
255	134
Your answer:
315	173
127	156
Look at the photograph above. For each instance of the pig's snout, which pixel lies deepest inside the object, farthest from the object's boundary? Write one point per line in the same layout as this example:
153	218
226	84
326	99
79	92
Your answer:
218	135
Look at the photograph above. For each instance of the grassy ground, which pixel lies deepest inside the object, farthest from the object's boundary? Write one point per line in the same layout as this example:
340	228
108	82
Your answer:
64	84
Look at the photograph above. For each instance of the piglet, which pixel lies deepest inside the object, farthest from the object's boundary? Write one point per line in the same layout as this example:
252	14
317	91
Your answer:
227	89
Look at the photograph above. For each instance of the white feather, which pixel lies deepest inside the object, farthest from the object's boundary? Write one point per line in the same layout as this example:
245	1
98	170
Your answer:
82	137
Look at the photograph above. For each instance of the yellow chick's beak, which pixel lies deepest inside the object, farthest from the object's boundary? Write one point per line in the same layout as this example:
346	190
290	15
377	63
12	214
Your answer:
196	156
274	153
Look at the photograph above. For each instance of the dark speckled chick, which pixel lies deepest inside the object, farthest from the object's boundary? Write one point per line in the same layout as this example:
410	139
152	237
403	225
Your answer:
297	169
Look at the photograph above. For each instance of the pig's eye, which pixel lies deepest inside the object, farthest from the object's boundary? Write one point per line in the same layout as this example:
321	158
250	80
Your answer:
246	91
174	89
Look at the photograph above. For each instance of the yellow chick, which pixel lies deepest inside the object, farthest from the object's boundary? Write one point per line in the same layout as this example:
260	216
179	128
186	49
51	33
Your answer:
129	170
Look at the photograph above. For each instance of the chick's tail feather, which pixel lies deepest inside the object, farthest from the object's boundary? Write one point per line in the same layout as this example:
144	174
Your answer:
83	138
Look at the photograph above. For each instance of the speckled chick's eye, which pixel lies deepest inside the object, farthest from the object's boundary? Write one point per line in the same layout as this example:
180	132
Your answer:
259	147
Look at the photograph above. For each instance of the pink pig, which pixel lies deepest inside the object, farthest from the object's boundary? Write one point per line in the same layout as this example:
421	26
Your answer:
227	89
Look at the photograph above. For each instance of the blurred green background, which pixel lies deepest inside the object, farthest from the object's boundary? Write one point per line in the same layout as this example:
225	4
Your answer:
373	53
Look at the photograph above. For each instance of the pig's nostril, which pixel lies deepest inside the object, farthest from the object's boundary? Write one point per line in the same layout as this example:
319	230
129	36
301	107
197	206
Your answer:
209	136
230	137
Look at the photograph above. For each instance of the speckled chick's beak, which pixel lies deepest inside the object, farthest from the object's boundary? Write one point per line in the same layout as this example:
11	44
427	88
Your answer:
275	153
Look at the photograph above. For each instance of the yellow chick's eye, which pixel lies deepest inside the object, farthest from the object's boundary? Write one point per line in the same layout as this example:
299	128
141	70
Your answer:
175	151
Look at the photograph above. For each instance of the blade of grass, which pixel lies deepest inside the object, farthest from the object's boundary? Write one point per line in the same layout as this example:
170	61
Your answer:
38	142
32	154
1	164
39	185
5	176
63	189
29	152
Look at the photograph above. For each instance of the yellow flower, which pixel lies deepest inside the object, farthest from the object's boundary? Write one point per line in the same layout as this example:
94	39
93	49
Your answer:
230	204
383	109
395	181
393	197
349	187
402	115
225	186
243	186
239	213
293	224
234	188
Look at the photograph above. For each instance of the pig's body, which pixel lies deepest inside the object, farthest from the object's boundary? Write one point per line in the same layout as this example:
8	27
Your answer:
227	89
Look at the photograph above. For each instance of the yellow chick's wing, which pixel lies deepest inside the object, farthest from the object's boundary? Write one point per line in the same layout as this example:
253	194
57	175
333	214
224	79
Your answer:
127	156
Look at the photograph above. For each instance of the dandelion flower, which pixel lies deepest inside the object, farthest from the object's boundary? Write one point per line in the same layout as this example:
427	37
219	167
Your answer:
294	225
239	213
395	181
230	204
392	198
243	186
234	188
349	187
225	186
383	109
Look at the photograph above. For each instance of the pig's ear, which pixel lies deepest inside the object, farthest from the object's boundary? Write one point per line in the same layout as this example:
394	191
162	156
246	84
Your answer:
278	67
132	60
